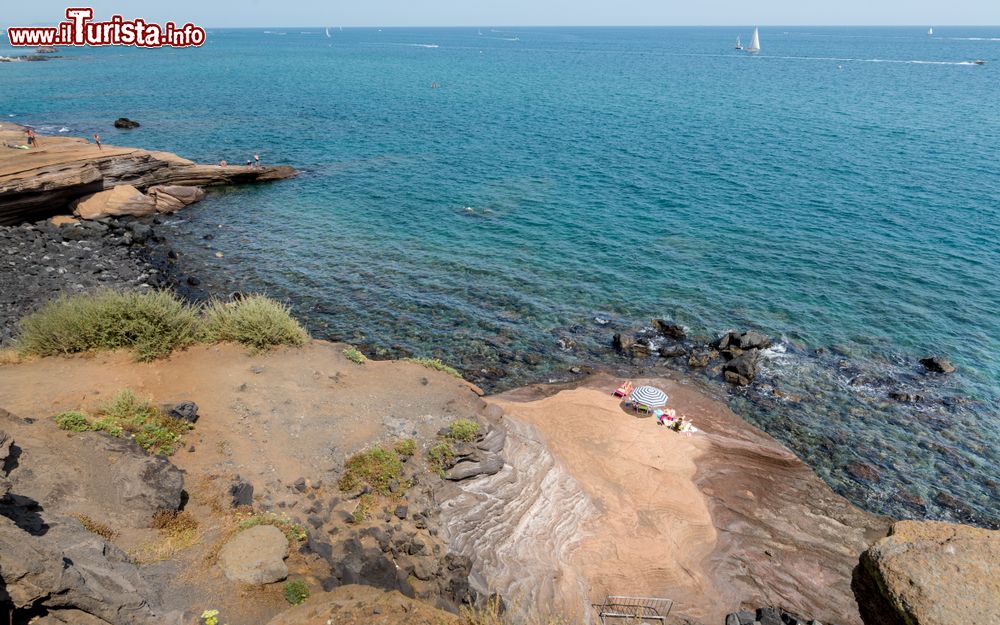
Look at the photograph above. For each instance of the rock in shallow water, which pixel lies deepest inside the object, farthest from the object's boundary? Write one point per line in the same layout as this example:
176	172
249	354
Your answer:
937	364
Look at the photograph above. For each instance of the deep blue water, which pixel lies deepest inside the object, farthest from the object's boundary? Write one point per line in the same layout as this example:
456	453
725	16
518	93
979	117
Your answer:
841	191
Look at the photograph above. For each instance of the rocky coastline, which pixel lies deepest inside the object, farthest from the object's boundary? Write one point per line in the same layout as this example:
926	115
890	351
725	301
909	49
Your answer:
508	514
49	179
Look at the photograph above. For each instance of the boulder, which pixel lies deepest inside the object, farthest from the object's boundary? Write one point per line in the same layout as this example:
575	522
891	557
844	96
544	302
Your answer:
670	330
105	478
123	199
125	122
185	411
67	570
743	340
741	370
255	556
172	198
64	220
930	573
937	364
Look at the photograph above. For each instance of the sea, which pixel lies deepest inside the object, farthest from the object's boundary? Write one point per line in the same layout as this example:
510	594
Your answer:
506	199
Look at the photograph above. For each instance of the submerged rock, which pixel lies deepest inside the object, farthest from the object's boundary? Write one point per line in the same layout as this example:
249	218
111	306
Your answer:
670	330
937	364
930	573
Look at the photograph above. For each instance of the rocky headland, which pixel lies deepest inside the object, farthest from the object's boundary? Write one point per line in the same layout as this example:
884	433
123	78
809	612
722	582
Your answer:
62	171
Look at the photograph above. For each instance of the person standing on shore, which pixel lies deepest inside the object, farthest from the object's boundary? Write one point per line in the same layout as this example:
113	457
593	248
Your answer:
256	160
32	139
97	140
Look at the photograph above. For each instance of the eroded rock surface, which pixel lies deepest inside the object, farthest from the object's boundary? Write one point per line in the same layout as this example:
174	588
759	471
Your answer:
44	181
931	573
109	479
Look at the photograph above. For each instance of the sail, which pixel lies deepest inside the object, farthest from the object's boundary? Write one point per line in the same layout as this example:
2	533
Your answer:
930	32
327	32
739	44
755	42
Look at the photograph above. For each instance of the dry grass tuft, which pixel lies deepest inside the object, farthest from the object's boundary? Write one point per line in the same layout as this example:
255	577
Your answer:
178	530
96	527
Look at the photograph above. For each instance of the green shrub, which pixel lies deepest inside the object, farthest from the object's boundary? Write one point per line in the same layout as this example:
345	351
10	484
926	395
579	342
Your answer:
464	430
375	467
255	321
440	455
73	421
406	447
355	356
293	531
151	324
150	428
436	364
296	592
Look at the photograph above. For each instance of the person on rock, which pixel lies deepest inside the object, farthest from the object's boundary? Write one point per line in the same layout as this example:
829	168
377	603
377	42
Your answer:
256	160
97	140
32	138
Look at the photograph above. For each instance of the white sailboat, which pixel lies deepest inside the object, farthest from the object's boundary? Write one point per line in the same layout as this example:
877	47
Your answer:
754	46
739	44
930	32
328	32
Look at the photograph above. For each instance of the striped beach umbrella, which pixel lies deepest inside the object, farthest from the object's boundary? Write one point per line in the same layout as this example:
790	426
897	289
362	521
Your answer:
649	396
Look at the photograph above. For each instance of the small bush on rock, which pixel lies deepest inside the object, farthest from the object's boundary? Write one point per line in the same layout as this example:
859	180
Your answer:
151	324
151	429
406	447
355	356
73	421
293	531
440	456
464	430
376	468
255	321
435	364
296	592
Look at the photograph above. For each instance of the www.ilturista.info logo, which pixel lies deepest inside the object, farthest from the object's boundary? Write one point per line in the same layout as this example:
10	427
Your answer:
79	30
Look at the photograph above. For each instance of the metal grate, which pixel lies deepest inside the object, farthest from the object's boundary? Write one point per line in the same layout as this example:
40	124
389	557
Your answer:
619	609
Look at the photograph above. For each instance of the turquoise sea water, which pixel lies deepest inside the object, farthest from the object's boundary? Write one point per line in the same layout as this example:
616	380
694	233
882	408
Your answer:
841	191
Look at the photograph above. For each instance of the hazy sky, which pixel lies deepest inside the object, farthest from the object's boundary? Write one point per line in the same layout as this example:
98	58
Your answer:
219	13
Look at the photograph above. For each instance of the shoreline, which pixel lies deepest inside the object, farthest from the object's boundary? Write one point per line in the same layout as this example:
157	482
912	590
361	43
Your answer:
770	402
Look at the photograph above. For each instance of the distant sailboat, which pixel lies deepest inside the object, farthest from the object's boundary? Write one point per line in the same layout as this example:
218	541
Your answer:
480	32
930	32
739	44
327	32
754	46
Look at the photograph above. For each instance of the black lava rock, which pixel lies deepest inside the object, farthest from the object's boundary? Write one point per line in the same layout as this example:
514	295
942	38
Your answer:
185	410
241	492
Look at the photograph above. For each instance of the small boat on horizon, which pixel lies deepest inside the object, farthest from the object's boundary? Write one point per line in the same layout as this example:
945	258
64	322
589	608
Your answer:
979	62
930	32
754	46
328	32
739	44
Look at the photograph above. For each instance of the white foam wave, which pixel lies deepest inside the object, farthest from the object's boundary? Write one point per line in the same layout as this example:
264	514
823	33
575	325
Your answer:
850	60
